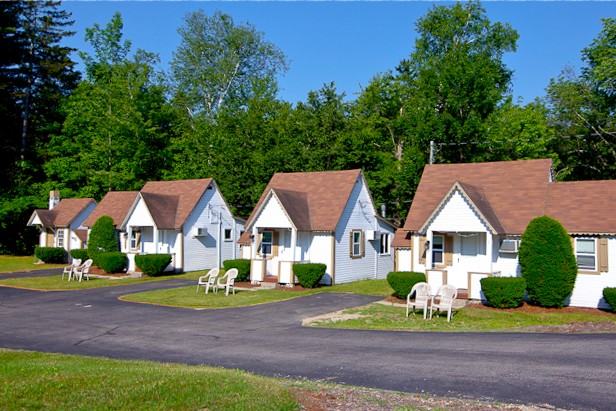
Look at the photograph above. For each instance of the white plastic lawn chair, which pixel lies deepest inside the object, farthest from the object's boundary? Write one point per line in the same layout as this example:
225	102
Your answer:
422	297
208	280
70	269
446	295
83	270
227	281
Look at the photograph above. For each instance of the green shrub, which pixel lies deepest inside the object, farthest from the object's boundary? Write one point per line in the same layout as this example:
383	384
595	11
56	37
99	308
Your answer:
152	265
243	268
50	255
102	238
309	274
112	262
503	292
609	293
80	253
403	281
547	262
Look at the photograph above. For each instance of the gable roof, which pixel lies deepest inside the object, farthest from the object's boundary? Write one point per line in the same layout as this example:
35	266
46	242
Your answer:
508	194
171	202
313	201
115	204
63	214
583	207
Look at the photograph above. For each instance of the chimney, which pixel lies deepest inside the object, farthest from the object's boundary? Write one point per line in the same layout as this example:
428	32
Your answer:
383	210
54	198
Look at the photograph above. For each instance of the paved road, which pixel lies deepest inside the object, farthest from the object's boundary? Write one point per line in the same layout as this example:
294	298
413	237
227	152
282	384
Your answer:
568	371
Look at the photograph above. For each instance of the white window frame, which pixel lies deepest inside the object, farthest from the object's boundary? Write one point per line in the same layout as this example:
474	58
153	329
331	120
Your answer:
385	249
357	246
60	237
440	249
228	234
593	254
269	243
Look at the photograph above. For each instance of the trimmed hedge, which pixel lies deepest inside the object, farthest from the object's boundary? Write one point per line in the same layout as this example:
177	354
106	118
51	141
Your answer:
80	253
243	268
503	292
547	262
50	255
609	293
152	265
309	274
403	281
113	262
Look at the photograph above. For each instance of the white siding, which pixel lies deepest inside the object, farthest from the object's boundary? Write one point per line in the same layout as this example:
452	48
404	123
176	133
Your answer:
403	259
272	215
457	215
588	290
321	252
359	214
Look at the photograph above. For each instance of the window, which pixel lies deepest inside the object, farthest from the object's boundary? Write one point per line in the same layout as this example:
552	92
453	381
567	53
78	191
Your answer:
586	253
438	244
384	243
357	244
228	233
267	239
135	240
60	235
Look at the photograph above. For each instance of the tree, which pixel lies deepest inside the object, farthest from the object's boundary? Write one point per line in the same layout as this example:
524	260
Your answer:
219	63
118	122
456	78
547	262
102	238
582	109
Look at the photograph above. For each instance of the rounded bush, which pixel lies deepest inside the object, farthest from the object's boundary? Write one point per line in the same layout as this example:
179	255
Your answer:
403	281
152	265
50	255
503	292
609	293
80	253
309	274
547	262
243	268
102	238
113	262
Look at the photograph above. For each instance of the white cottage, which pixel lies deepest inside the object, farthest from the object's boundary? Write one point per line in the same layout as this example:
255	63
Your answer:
188	219
466	221
319	217
62	224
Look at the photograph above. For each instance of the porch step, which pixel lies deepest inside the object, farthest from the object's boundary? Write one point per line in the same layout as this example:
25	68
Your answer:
462	294
270	279
268	285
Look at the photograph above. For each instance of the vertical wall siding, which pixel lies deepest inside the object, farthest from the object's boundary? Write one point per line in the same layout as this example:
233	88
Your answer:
457	215
321	252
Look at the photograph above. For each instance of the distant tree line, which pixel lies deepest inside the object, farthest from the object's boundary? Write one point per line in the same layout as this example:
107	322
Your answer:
216	112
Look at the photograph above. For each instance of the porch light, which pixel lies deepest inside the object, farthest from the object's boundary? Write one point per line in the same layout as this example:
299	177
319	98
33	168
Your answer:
427	244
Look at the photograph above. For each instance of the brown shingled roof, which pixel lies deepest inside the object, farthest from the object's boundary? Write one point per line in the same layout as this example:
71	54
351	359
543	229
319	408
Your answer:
326	194
115	204
514	191
583	207
171	202
402	239
63	214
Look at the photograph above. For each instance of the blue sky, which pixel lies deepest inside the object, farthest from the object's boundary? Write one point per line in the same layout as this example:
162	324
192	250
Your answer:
349	42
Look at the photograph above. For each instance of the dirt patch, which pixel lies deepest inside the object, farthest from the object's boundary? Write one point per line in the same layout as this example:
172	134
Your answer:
344	398
529	308
333	317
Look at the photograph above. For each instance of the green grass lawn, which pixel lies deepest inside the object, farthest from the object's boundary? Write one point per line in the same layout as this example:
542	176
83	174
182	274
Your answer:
11	264
469	319
38	381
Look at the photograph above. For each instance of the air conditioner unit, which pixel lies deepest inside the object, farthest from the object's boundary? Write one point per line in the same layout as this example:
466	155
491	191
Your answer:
372	235
509	246
200	231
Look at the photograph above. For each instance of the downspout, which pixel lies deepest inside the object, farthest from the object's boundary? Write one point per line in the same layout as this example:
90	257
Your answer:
218	245
376	250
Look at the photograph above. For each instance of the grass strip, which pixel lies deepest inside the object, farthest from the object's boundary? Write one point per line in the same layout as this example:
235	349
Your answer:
35	381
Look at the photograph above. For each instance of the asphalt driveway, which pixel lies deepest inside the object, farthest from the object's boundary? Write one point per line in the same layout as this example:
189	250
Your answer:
567	371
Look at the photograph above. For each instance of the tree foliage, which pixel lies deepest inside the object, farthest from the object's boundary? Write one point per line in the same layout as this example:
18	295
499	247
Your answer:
547	262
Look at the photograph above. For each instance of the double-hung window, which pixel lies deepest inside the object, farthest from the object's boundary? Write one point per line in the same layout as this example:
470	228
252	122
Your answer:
357	244
438	249
135	240
61	237
586	253
267	239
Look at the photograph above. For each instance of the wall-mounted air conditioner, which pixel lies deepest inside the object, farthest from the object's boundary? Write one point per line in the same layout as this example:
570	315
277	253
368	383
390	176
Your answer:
200	231
509	246
372	235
